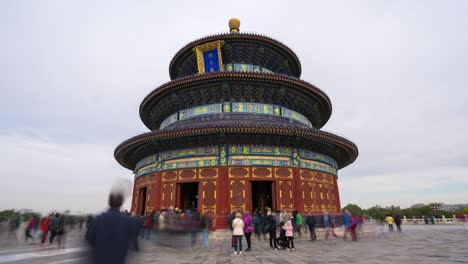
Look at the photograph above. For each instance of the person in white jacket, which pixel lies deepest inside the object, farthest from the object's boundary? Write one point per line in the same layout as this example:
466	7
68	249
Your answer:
238	233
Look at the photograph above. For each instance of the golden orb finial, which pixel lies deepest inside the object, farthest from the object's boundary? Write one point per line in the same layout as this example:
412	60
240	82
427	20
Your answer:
234	25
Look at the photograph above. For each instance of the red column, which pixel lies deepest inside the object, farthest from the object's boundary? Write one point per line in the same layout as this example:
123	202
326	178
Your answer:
222	199
158	191
297	190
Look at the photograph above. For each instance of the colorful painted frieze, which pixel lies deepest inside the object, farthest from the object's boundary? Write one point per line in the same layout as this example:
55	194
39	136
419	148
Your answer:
192	152
146	161
306	154
313	165
258	161
238	107
295	115
146	170
190	163
259	150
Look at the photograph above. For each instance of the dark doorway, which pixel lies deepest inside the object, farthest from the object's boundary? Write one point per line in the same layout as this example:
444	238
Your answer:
188	195
261	195
142	204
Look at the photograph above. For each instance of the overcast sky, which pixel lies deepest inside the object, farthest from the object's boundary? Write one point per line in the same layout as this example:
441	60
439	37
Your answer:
73	74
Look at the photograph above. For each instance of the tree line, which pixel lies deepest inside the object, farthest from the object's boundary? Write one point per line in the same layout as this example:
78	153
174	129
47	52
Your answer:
378	212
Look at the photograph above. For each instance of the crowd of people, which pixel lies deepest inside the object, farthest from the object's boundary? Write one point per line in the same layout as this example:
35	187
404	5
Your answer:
282	226
38	228
112	233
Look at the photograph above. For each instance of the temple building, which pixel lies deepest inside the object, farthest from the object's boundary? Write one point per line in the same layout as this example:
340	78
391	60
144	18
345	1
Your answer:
236	128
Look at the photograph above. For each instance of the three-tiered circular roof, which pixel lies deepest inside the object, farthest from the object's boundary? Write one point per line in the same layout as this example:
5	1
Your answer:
276	84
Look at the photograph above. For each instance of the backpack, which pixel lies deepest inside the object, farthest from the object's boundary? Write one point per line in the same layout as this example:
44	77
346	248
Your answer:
53	225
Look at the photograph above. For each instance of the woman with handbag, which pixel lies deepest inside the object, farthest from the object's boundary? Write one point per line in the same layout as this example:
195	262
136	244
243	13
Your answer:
249	227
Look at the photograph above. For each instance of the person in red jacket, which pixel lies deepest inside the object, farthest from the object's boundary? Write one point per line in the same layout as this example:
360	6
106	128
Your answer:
45	228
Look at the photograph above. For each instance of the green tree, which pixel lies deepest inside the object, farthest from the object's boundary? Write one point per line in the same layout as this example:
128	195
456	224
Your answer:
354	209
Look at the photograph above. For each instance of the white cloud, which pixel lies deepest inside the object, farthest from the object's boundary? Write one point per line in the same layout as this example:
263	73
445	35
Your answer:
45	175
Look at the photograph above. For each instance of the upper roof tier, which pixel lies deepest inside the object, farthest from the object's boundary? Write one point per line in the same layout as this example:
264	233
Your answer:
239	49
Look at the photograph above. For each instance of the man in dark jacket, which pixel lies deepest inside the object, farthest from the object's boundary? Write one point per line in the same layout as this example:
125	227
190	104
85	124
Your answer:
270	225
111	233
311	222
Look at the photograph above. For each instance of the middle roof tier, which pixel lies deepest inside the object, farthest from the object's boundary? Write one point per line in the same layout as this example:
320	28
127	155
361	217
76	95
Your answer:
264	88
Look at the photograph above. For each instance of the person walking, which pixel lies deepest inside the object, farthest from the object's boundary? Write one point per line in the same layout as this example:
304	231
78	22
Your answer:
389	221
289	235
270	225
53	227
258	222
347	222
61	232
111	233
397	220
30	228
14	224
328	224
205	224
238	233
249	227
299	222
311	222
45	228
147	226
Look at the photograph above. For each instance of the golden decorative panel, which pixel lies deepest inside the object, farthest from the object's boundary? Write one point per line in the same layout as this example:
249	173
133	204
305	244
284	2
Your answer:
190	174
170	175
283	173
211	173
261	172
238	172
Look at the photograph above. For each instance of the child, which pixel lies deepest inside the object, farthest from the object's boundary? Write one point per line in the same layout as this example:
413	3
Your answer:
289	234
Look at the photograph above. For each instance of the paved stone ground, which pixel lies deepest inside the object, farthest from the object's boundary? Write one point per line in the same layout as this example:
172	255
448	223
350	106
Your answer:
416	244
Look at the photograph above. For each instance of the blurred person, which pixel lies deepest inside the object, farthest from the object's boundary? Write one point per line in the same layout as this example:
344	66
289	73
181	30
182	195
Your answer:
311	222
61	232
299	222
238	233
397	220
135	219
89	222
45	228
30	228
53	227
80	224
347	222
328	224
205	224
147	226
194	225
249	227
381	232
171	217
355	223
111	233
13	225
270	225
259	226
161	220
289	234
389	221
